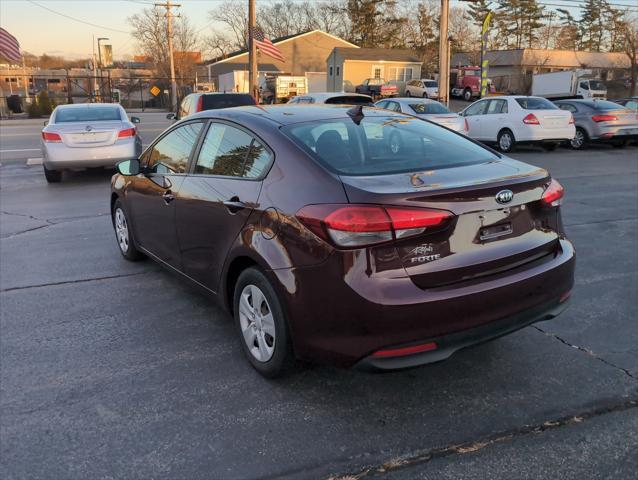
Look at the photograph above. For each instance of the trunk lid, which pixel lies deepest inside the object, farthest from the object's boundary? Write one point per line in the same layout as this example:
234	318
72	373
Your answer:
484	237
552	118
88	135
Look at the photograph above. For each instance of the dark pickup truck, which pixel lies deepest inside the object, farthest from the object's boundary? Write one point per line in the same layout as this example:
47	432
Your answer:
376	88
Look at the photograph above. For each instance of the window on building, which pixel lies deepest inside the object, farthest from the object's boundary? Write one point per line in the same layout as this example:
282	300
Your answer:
401	74
338	71
377	72
330	72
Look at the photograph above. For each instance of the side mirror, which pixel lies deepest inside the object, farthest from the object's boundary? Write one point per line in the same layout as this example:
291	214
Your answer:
45	123
135	119
171	116
129	167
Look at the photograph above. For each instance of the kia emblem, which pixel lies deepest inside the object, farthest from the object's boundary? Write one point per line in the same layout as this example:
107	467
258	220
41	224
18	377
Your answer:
88	128
504	196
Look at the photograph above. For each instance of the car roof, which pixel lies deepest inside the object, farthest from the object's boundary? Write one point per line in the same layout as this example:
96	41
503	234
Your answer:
412	100
88	105
289	114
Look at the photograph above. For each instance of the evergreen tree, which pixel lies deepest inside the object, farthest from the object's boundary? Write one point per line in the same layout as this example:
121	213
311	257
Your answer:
569	35
592	25
615	20
477	11
519	22
374	23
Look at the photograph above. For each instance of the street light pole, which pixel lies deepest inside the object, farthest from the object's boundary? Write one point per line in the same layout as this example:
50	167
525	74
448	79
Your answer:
169	16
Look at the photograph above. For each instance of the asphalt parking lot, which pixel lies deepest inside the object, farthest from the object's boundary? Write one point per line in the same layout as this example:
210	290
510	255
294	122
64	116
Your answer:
111	369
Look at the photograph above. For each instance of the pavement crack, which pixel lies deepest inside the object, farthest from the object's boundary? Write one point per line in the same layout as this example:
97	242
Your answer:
49	222
80	280
427	456
587	351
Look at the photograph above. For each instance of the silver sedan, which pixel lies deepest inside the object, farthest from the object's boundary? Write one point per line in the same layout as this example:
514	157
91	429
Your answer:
428	109
88	135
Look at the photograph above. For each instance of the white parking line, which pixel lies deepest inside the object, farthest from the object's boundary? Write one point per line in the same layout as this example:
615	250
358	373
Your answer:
34	161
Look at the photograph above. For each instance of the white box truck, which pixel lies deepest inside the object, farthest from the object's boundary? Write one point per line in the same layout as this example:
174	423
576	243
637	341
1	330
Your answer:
568	84
279	88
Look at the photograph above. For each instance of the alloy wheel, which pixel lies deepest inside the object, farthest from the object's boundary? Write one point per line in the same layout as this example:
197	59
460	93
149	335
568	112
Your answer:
505	142
257	323
121	230
579	139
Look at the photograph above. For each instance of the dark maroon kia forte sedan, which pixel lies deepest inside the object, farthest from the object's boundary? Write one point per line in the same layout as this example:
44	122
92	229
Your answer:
347	235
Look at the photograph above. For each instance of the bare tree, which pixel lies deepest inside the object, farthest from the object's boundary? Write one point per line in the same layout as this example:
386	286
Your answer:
233	16
630	37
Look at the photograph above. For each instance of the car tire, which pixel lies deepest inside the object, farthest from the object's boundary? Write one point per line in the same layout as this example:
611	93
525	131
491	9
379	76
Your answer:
467	95
425	95
506	141
52	176
124	234
261	324
580	139
550	147
407	93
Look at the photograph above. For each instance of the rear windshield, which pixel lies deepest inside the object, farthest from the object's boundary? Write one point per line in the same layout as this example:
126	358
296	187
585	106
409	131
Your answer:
427	108
87	114
382	145
536	103
605	105
431	84
226	100
349	100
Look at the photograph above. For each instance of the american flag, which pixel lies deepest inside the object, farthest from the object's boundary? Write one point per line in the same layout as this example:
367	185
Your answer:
265	46
9	46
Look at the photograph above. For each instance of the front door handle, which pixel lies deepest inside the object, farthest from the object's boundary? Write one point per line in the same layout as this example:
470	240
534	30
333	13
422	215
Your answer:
234	205
168	197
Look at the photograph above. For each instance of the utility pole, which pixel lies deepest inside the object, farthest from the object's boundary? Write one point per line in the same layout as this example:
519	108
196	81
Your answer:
444	66
252	51
169	17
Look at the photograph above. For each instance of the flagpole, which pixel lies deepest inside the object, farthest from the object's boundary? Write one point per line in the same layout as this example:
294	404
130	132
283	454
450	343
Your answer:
252	50
25	79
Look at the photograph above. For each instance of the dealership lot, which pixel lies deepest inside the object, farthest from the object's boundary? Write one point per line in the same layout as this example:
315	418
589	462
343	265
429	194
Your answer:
120	370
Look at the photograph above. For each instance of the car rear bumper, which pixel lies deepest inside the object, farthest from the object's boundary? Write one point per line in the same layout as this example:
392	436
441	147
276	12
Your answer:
359	311
531	134
57	156
624	132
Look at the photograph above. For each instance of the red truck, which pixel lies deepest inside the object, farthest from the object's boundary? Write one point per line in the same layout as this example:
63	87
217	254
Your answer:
466	82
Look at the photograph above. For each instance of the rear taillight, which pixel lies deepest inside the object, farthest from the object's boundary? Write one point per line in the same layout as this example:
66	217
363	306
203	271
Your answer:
553	194
200	103
51	137
604	118
531	119
571	119
467	125
361	225
128	132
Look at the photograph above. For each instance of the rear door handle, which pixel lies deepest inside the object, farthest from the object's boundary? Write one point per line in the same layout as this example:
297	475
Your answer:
234	205
168	197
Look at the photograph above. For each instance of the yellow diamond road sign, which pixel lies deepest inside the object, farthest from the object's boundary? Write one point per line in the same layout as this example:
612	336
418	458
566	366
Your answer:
155	90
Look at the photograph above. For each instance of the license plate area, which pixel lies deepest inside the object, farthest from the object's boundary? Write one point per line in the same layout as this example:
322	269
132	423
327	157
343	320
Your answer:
495	231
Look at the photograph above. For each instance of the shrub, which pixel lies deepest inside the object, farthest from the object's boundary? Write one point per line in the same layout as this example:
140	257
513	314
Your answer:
44	103
33	109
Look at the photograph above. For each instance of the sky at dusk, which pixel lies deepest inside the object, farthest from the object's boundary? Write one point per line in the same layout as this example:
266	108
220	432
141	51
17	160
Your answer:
40	31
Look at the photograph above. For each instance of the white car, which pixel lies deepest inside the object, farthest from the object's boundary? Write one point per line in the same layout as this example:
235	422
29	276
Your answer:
86	135
428	109
425	88
334	98
515	119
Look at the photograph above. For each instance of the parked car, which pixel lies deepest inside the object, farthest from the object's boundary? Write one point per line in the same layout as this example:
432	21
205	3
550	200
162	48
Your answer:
630	102
510	120
377	88
87	135
326	244
332	98
428	109
425	88
198	102
601	121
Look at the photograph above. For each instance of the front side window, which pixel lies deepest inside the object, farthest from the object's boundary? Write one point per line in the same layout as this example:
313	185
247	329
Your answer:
385	144
230	152
497	106
477	109
170	155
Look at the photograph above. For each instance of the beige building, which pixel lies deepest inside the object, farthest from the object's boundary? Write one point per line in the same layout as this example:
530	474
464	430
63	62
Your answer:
304	53
348	67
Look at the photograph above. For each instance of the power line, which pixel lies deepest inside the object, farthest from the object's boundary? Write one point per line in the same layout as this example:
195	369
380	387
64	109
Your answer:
77	19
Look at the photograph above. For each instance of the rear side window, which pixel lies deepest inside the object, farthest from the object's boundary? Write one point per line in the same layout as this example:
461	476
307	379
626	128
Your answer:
231	152
567	106
87	114
535	103
382	145
226	100
170	155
